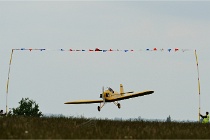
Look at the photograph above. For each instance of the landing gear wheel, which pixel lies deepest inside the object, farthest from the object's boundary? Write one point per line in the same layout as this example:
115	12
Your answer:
118	105
99	109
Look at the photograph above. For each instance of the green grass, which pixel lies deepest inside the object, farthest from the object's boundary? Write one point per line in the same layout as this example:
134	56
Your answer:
81	128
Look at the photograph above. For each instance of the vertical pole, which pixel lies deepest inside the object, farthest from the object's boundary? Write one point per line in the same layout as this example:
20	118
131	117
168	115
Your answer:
7	88
199	92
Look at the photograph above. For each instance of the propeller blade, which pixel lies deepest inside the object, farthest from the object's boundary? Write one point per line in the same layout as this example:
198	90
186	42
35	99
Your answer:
103	94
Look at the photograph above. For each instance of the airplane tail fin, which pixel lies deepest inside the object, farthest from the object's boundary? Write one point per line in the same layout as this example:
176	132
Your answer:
121	89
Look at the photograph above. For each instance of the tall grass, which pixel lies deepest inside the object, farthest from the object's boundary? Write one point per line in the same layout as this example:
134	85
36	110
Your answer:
82	128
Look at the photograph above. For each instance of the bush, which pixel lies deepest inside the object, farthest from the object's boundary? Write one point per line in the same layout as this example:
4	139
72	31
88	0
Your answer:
26	107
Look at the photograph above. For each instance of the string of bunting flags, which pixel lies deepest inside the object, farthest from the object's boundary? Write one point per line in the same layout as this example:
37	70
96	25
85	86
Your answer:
101	50
106	50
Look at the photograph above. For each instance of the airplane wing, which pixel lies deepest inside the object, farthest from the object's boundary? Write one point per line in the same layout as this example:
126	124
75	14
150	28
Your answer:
133	95
84	102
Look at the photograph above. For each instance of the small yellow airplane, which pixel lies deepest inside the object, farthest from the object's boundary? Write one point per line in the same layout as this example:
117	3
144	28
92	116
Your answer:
110	95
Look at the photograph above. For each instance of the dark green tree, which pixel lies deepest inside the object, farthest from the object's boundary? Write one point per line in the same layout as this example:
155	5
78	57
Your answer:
26	107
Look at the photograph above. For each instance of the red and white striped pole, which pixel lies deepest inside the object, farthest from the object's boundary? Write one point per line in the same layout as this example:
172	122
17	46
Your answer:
199	88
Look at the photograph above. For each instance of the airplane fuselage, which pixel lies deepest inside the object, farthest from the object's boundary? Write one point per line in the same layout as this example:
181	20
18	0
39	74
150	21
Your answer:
110	96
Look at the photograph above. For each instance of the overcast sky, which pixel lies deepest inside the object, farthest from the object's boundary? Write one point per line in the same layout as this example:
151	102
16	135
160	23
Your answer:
54	77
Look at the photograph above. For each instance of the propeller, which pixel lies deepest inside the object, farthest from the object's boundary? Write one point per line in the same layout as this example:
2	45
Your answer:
103	94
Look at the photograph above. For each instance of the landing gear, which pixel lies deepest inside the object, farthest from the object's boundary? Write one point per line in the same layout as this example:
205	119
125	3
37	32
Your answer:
118	105
99	109
101	105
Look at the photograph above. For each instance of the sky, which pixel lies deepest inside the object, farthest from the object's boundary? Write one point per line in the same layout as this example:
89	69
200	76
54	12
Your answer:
53	77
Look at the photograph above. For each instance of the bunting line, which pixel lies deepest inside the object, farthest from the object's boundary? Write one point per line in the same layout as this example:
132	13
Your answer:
106	50
99	50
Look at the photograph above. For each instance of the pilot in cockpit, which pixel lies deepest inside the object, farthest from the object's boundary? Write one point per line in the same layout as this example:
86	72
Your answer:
111	90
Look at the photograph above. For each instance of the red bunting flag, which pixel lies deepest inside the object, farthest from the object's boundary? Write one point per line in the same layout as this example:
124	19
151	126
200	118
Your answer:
176	49
97	49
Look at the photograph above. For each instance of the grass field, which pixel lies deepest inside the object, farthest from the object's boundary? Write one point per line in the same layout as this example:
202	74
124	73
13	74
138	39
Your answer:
82	128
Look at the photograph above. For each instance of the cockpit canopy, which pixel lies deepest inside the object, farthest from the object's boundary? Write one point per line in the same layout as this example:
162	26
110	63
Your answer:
111	90
107	92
